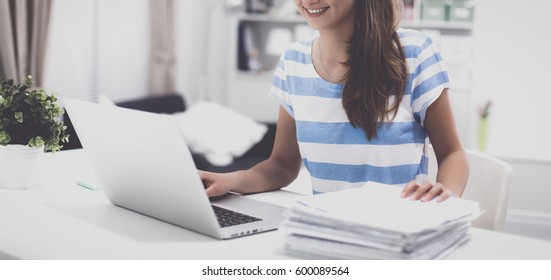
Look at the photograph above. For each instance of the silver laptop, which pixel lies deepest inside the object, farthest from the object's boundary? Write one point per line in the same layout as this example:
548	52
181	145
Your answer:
143	164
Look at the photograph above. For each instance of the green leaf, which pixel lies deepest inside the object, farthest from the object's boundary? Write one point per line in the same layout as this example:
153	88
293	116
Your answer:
32	142
29	81
4	138
39	141
36	142
18	117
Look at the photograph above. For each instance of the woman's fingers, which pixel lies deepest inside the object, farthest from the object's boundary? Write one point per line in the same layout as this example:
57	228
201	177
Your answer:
216	184
414	190
409	189
206	177
214	190
444	195
421	190
433	192
425	192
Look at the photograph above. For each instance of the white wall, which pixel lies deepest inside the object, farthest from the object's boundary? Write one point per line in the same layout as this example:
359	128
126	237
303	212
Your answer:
531	185
512	68
123	55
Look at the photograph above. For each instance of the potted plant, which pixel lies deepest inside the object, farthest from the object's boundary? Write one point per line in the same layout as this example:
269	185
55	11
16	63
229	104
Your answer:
30	123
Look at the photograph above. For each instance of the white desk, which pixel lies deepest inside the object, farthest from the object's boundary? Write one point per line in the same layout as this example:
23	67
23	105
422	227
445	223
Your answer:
60	220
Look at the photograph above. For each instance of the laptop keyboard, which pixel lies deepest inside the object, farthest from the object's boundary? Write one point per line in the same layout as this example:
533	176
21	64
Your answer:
228	218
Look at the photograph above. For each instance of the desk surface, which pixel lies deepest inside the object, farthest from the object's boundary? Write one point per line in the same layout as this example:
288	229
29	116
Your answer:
61	220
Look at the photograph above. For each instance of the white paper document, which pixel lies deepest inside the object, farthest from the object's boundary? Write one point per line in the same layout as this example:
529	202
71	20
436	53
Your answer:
375	222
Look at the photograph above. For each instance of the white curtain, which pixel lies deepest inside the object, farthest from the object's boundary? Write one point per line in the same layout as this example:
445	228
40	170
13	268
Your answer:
23	33
163	51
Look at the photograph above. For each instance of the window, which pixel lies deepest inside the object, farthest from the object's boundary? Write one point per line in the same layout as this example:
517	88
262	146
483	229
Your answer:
98	47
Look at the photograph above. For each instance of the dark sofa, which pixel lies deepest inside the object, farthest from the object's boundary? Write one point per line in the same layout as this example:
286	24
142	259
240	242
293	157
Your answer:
173	103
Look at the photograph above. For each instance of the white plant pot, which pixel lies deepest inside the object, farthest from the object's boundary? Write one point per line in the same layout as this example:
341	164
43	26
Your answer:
18	166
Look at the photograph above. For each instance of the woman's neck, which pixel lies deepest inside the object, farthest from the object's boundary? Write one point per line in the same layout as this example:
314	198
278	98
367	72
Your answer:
330	54
334	47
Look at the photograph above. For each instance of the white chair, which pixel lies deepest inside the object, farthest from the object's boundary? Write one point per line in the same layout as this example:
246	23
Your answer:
489	184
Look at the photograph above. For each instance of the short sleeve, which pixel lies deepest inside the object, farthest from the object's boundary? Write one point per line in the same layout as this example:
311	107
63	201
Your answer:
429	79
279	89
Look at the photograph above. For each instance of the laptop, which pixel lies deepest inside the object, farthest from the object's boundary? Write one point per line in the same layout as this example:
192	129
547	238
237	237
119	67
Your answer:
143	164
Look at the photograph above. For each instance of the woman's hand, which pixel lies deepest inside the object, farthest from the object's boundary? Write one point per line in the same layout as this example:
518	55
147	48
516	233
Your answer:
217	184
426	191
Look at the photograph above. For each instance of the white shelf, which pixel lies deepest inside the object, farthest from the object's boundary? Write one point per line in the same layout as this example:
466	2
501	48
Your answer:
446	25
416	24
467	26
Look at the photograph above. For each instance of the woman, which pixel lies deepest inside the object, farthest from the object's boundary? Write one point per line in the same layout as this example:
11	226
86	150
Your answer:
359	103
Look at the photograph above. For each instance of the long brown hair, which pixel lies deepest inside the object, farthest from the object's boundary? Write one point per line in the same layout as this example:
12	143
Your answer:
376	65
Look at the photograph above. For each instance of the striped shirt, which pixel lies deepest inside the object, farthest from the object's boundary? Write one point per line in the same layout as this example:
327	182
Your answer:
339	156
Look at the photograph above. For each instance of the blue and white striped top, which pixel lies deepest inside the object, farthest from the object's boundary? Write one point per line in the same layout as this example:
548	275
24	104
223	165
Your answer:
337	155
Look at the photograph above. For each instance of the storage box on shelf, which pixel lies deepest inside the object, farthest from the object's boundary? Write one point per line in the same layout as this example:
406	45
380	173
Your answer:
434	10
447	10
461	11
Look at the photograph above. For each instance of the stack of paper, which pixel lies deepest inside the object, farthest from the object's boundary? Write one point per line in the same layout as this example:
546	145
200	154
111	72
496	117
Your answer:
374	222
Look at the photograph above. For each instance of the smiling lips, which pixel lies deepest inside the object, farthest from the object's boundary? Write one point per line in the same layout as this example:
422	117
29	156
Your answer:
316	12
